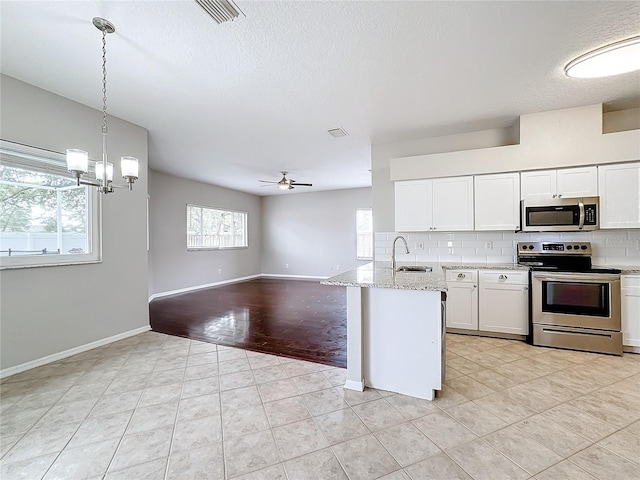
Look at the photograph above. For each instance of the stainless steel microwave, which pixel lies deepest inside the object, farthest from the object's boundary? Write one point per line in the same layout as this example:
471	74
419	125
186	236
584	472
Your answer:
560	214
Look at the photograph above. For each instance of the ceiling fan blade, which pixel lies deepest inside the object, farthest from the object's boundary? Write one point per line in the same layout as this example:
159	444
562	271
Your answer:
302	184
266	181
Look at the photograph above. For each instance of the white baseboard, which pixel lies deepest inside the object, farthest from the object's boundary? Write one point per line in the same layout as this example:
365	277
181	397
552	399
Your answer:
354	385
5	372
200	287
293	277
234	280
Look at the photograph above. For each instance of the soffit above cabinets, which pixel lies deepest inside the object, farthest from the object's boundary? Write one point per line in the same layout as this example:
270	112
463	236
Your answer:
559	138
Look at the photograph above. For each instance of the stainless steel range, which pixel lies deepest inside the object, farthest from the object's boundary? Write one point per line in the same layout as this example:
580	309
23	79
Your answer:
573	304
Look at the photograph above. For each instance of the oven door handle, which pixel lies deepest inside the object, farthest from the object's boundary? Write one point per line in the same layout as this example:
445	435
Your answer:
573	277
581	221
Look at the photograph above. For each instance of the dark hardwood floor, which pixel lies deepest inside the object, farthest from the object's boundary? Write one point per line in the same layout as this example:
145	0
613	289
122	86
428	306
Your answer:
294	318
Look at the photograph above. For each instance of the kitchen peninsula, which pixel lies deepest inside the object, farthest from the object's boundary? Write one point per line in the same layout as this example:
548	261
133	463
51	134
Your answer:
395	329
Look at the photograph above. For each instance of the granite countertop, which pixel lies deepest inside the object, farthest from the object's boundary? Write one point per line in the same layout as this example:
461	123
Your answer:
380	275
483	266
626	269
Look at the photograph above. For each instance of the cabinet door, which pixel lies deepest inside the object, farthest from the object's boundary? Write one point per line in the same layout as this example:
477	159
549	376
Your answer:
503	307
462	306
619	187
453	204
577	182
413	205
497	202
630	310
538	185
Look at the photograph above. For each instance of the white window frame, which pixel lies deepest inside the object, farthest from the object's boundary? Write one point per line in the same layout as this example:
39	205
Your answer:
199	249
53	162
358	256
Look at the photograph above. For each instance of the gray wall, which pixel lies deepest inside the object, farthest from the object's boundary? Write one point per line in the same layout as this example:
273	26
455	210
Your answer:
311	232
175	268
47	310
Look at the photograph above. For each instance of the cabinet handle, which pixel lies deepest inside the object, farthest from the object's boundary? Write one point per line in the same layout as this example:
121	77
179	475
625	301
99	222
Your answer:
502	277
526	288
461	275
559	195
434	228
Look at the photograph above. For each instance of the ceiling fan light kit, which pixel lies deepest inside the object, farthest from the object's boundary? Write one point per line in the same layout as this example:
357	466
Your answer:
286	183
613	59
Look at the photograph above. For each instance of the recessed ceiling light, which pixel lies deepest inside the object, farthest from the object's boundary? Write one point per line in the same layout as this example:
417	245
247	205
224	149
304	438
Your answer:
613	59
338	132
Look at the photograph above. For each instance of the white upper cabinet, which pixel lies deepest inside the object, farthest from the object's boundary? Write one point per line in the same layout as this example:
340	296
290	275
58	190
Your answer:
577	182
413	205
497	201
444	204
538	184
562	183
453	204
619	195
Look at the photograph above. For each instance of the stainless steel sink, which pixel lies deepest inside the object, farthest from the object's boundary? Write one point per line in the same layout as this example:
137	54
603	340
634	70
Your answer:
414	268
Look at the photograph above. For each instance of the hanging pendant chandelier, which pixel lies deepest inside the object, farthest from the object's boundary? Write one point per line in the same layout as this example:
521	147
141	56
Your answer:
78	160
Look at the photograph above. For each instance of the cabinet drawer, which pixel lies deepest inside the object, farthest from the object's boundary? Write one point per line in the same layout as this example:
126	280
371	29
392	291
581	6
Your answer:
462	276
509	277
629	281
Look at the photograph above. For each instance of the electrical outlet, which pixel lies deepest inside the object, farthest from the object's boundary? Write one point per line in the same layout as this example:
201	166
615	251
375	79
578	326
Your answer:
219	271
286	265
337	268
488	245
419	245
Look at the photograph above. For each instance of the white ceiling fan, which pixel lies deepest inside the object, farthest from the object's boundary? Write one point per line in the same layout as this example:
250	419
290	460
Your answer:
286	183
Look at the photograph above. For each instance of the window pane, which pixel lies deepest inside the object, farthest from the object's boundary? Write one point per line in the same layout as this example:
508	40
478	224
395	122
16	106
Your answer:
41	213
215	228
364	233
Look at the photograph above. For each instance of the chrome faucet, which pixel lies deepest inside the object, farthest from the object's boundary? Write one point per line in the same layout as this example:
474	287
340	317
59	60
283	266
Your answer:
393	256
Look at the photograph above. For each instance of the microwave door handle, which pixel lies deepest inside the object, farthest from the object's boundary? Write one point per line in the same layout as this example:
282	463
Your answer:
581	221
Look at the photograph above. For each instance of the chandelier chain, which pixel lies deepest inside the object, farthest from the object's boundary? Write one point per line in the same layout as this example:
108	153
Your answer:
104	80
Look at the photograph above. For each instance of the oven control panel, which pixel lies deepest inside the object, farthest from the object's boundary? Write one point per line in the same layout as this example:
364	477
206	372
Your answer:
554	248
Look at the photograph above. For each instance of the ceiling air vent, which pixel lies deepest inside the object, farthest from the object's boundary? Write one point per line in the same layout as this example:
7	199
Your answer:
220	10
338	132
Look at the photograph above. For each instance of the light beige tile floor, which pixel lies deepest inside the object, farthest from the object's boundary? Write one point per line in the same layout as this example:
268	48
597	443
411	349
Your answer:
160	407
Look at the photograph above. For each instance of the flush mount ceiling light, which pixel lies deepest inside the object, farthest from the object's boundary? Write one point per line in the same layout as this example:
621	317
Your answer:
613	59
78	160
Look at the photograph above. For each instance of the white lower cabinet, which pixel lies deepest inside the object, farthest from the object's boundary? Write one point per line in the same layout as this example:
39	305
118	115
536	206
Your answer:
630	290
462	299
504	301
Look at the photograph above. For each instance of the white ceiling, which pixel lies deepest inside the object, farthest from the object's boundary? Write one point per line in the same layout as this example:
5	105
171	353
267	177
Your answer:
233	103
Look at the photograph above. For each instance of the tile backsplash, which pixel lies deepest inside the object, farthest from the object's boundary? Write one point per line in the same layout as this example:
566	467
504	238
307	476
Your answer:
610	247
